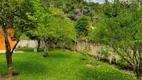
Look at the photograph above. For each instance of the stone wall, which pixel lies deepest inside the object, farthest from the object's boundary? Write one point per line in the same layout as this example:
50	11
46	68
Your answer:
80	46
27	44
93	48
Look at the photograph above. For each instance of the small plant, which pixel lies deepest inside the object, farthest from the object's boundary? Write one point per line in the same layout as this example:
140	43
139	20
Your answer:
91	59
121	64
104	53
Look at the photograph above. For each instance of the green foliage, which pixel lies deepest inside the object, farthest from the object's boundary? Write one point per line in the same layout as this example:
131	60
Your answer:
91	59
121	64
104	52
16	12
57	26
85	51
82	26
120	28
24	37
51	23
72	7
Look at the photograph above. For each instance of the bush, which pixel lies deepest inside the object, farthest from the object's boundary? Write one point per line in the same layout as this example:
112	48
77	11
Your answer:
104	53
121	64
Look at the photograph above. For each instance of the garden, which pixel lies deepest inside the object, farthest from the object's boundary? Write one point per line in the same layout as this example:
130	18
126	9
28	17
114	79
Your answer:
70	40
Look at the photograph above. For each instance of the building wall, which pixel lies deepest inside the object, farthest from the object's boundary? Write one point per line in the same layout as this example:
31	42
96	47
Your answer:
2	42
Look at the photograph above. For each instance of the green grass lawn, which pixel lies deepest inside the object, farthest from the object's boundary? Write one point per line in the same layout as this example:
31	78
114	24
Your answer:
61	65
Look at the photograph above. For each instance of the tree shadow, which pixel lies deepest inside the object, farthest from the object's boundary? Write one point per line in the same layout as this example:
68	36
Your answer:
3	68
29	67
98	74
59	54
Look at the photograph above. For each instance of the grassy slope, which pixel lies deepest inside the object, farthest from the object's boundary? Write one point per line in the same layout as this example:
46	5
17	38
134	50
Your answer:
62	65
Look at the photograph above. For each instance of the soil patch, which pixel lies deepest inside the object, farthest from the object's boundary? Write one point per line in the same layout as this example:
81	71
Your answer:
91	64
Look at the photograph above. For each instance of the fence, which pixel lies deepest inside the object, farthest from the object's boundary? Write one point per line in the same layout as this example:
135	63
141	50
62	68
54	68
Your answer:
80	46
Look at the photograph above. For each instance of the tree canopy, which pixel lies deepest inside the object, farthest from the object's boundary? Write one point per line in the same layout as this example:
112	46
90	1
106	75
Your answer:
120	28
14	13
52	25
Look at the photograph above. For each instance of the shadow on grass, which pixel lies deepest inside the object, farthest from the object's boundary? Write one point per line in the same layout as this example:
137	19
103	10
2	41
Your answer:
3	68
97	74
59	55
29	67
26	49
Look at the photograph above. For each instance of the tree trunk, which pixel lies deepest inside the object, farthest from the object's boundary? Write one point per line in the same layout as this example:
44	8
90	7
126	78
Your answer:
139	77
86	41
9	63
45	50
138	74
54	46
110	59
9	51
8	56
137	69
75	45
38	46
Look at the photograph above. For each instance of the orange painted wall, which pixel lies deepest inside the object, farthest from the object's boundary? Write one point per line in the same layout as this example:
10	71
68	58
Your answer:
2	43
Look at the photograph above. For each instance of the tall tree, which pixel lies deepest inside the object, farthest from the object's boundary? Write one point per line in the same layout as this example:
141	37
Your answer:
52	25
82	26
14	13
120	28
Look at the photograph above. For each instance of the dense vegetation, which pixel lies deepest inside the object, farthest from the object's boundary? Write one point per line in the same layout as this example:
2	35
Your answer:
120	29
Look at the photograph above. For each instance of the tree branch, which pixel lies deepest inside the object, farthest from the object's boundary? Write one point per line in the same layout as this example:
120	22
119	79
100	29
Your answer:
14	47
